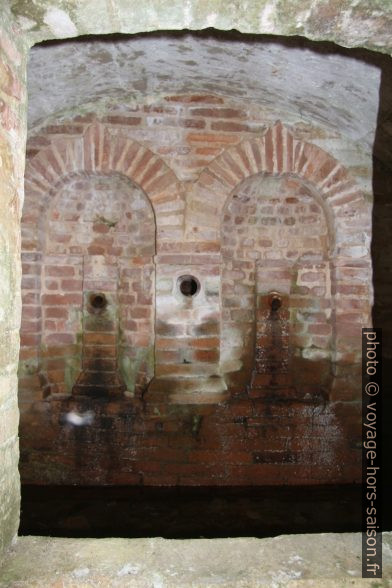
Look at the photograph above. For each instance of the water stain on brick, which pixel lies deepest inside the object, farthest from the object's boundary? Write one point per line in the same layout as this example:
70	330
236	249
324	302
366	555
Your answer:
242	372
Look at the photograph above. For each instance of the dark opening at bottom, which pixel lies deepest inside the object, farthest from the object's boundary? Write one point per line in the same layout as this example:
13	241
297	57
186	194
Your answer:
188	513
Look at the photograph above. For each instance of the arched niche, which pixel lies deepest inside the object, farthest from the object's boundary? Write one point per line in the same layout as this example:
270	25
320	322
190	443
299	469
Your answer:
91	251
98	155
276	285
348	216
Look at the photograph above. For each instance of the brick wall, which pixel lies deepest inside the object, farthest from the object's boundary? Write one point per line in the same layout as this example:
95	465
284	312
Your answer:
96	238
275	240
219	387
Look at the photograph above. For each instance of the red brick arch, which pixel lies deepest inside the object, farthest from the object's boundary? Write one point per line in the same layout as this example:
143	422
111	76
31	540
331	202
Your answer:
277	152
96	152
101	150
348	214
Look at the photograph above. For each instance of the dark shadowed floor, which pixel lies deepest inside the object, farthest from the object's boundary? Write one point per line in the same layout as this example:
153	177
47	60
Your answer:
188	513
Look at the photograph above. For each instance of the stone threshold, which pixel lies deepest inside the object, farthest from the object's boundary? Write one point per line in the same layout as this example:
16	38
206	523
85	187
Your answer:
327	559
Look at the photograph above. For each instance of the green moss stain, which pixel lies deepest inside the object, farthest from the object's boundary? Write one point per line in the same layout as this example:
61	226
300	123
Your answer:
34	11
73	368
106	221
130	367
28	367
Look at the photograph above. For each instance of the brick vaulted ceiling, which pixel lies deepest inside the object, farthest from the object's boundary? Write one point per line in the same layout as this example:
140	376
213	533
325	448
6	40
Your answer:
298	80
324	85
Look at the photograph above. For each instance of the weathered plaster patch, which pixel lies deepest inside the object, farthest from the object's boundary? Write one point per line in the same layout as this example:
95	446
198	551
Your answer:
60	23
211	19
26	24
267	18
188	14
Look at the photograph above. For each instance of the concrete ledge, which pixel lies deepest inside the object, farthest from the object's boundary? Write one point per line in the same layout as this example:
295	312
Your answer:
329	559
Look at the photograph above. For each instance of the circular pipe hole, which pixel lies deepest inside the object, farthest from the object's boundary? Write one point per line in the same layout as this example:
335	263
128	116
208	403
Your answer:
276	303
98	301
189	285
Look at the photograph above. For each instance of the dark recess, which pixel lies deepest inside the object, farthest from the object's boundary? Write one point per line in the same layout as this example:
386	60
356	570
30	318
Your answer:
188	512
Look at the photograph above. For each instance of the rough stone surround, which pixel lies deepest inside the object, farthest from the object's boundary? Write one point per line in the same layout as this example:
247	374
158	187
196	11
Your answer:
349	22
